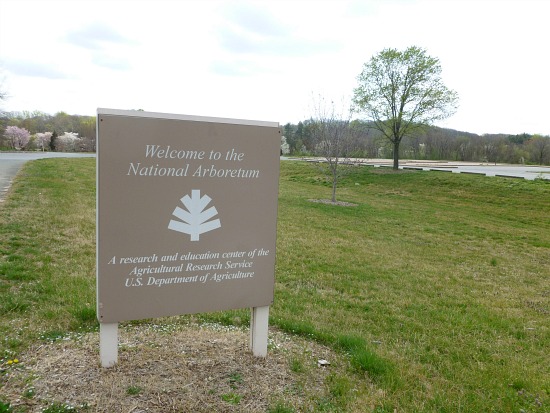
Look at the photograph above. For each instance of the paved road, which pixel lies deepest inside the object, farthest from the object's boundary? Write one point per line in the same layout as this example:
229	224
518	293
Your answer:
510	171
8	169
505	170
11	162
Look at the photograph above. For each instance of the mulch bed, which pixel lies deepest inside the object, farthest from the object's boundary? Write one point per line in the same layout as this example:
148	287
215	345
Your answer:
170	368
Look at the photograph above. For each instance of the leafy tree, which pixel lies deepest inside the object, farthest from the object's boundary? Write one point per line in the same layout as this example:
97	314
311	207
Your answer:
32	121
307	138
86	127
63	122
519	139
53	141
288	132
17	138
299	130
402	91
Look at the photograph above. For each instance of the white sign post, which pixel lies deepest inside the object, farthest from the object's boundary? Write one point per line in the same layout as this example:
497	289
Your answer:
186	219
108	344
259	322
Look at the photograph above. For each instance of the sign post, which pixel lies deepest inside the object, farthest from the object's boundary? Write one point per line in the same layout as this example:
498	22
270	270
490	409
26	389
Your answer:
186	219
259	322
108	344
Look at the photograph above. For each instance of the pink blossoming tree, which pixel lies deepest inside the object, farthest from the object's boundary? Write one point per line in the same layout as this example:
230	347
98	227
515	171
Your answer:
17	138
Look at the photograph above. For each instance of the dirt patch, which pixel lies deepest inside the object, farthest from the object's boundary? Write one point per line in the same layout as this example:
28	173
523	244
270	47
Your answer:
329	202
172	368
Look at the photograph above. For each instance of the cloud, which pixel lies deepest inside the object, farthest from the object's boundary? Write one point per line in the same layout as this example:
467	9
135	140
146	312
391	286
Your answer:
34	69
257	20
110	62
240	67
106	45
254	30
96	36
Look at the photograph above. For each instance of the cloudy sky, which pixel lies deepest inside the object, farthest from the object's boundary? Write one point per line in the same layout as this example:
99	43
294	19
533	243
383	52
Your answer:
267	60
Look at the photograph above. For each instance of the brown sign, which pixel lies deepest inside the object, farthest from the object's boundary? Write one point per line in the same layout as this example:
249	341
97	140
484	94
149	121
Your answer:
186	210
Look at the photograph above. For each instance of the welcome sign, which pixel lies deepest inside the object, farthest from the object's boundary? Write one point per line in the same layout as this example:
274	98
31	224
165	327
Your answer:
187	214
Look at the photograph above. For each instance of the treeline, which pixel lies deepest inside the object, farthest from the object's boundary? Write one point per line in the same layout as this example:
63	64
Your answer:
432	143
72	133
64	132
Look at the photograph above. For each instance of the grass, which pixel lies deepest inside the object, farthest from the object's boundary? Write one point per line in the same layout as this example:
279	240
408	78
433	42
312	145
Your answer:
47	250
435	285
133	390
434	277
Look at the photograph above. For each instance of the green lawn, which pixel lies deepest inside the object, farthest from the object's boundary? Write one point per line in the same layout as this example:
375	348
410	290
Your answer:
437	285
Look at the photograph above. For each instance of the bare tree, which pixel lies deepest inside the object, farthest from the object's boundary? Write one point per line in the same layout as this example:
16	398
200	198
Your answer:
333	139
3	93
539	147
3	97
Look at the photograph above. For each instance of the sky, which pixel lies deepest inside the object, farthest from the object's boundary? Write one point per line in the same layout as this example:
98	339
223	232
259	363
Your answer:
271	60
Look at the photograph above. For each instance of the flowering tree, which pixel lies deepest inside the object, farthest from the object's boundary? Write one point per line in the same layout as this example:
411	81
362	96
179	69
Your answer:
43	139
69	141
17	138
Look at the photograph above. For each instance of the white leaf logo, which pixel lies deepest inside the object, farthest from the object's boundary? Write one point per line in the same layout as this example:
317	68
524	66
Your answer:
195	221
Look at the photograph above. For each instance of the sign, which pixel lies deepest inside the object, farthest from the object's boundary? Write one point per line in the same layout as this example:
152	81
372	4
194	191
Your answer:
187	214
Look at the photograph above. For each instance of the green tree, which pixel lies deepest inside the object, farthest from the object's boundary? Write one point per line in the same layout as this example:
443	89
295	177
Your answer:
299	138
288	133
519	139
53	141
402	91
308	140
63	122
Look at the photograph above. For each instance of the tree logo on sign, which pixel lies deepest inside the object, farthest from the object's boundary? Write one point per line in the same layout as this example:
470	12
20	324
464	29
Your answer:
195	220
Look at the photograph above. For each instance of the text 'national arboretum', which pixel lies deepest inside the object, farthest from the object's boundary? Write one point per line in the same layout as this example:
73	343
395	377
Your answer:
189	168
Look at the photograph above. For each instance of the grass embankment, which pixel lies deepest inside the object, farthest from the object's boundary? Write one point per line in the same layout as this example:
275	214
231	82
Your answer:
435	284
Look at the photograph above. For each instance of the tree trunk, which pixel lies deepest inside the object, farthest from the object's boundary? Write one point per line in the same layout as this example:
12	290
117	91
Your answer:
396	155
334	182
